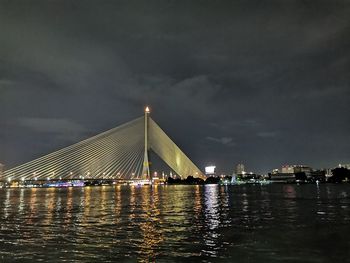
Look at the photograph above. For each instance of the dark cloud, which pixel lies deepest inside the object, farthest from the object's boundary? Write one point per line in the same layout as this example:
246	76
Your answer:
61	128
269	77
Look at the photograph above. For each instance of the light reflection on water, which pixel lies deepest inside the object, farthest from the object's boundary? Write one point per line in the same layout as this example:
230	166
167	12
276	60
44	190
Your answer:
251	223
212	219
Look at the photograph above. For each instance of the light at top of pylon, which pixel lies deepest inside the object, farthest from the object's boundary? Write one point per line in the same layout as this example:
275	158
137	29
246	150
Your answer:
147	110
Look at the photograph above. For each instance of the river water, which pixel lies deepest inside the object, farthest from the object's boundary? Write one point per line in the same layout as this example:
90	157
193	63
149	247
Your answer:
211	223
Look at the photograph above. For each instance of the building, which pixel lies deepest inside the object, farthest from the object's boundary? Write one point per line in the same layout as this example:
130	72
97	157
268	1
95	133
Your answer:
291	173
240	169
210	170
302	169
287	169
293	169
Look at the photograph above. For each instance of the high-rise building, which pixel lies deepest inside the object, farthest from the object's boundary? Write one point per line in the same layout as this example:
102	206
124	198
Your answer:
240	169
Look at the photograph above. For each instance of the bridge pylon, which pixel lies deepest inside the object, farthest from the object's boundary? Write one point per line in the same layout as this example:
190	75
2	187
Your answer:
146	170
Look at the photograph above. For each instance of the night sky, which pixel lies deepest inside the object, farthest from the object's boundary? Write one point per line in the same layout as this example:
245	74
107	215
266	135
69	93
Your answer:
264	83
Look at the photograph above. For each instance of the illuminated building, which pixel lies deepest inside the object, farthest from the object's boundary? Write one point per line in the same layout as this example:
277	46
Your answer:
291	173
292	169
240	169
210	170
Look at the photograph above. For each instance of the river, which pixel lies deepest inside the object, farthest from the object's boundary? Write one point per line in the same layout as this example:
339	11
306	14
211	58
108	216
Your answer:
176	223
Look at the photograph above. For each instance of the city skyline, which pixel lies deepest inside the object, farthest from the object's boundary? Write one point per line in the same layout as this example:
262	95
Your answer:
259	84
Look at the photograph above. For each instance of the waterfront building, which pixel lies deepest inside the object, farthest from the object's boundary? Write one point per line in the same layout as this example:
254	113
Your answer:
240	169
210	170
287	169
292	169
303	169
292	173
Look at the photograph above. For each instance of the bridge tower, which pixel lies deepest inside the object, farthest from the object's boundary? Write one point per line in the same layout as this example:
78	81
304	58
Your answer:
145	170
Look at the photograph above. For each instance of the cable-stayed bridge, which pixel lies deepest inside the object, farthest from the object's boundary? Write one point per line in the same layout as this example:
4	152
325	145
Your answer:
119	153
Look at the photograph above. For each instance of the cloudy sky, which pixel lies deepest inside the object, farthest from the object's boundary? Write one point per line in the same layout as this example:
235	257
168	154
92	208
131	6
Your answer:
265	83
